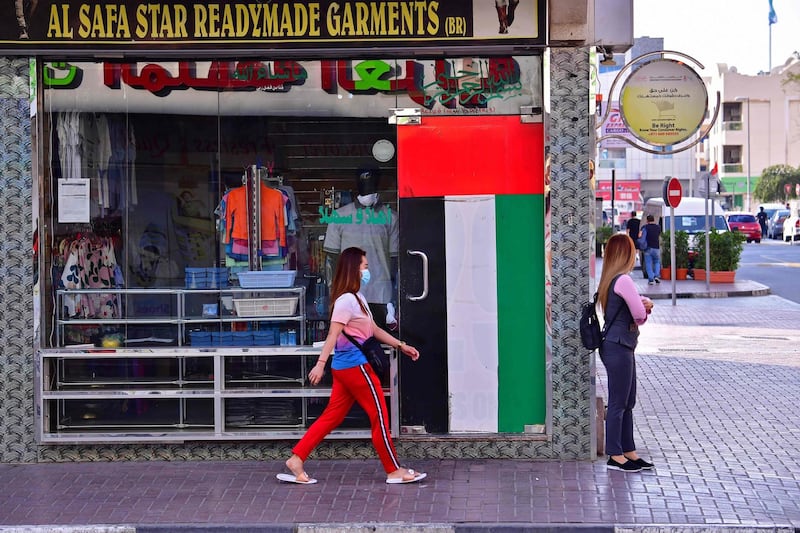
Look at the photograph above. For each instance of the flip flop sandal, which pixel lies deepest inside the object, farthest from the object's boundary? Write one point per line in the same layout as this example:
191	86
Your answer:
290	478
418	476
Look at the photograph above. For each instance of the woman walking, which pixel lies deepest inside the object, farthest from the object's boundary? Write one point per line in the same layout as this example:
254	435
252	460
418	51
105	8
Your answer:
624	309
353	378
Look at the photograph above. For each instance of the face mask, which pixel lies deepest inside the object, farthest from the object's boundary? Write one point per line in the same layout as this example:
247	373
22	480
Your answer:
364	276
368	199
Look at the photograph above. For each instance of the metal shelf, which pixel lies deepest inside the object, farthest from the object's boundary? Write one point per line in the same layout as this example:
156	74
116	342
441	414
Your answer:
77	409
180	320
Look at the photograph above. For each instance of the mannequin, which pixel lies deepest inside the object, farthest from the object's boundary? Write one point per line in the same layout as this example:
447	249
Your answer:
372	226
506	10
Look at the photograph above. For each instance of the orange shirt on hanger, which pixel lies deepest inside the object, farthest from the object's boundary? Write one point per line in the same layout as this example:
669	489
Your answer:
273	223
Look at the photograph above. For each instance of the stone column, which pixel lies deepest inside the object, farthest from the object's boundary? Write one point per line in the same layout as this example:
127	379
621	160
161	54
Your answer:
570	134
16	265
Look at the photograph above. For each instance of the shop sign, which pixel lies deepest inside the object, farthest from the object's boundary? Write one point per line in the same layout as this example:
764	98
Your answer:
626	191
614	125
327	25
443	86
663	102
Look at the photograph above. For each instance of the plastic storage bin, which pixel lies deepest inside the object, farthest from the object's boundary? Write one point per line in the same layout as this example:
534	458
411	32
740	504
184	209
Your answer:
259	307
222	338
217	278
200	338
196	278
241	338
267	279
206	277
266	337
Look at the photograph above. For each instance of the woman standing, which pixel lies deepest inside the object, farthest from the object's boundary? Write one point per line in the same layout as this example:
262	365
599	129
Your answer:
353	378
626	310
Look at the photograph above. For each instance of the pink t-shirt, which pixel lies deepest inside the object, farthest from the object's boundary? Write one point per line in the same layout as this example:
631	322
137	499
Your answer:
626	289
357	324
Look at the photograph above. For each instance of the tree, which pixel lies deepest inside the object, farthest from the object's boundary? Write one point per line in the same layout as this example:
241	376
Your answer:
771	185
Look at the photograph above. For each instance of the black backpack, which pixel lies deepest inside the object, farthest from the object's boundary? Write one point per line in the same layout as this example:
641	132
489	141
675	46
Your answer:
591	334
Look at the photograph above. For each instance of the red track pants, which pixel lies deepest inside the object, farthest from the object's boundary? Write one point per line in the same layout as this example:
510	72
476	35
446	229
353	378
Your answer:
357	384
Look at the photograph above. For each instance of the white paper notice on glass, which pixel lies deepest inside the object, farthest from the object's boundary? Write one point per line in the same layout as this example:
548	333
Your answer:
73	200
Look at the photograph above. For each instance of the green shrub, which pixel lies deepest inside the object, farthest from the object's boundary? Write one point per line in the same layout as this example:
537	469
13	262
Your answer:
681	249
725	250
603	233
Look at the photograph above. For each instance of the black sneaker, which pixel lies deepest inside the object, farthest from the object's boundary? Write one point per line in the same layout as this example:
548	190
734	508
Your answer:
641	462
627	466
658	280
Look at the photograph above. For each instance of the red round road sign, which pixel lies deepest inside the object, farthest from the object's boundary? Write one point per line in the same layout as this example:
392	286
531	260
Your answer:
673	192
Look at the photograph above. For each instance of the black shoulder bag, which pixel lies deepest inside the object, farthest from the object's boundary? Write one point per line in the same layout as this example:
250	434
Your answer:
373	350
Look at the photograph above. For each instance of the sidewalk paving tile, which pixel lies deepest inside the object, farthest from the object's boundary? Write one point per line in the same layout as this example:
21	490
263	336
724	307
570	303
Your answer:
718	397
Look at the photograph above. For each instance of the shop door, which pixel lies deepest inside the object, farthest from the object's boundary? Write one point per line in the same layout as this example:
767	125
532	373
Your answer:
460	179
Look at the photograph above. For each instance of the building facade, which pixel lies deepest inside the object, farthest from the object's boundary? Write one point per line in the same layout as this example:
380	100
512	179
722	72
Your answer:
759	126
128	335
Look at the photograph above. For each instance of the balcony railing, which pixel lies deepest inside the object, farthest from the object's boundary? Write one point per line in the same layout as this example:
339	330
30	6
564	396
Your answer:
612	163
729	168
732	125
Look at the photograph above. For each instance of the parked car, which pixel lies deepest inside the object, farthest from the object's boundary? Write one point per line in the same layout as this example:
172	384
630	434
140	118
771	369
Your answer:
746	224
770	208
775	224
791	227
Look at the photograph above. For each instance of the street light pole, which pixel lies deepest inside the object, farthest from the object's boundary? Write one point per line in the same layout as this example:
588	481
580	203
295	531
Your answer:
749	155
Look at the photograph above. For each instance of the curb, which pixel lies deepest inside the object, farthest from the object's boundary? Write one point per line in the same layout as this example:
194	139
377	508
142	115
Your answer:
400	527
713	294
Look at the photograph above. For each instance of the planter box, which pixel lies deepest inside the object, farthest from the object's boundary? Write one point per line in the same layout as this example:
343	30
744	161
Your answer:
665	274
722	277
681	273
699	274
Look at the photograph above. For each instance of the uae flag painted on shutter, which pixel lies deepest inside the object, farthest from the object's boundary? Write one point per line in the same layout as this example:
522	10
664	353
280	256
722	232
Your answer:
472	199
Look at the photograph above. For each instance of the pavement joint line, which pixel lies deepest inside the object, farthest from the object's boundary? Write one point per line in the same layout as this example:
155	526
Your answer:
789	265
67	529
706	528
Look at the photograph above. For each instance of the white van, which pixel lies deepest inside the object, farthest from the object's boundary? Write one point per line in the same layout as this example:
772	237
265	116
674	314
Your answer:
689	215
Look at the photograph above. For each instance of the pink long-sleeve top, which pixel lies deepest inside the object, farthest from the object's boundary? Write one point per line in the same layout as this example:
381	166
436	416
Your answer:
626	289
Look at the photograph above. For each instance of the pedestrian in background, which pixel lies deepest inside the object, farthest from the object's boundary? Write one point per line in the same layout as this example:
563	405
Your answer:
632	226
652	255
353	378
762	221
624	309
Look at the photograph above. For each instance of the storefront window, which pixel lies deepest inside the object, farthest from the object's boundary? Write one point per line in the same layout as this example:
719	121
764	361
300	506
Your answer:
139	159
149	217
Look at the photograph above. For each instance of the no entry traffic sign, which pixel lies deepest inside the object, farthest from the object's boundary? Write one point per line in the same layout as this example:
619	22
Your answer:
673	192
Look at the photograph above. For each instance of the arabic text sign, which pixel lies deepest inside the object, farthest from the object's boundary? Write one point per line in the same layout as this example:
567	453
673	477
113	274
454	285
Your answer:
663	102
274	22
488	85
363	216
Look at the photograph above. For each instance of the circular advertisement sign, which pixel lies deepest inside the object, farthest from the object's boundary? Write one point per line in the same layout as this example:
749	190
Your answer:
663	102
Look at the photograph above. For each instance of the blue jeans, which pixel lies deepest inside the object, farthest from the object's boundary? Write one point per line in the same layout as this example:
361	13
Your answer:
652	262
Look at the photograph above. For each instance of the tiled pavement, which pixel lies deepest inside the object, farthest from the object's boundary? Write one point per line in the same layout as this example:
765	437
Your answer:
719	391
